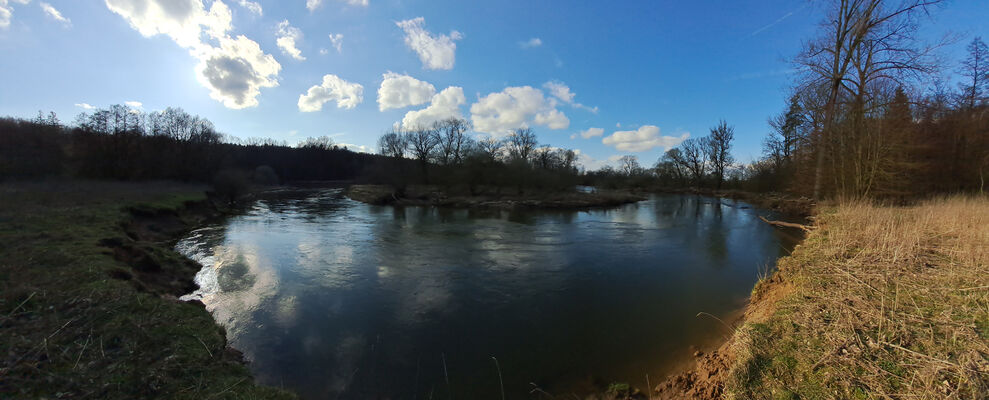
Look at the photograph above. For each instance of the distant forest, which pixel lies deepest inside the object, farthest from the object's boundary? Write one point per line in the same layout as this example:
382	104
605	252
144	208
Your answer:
858	124
126	144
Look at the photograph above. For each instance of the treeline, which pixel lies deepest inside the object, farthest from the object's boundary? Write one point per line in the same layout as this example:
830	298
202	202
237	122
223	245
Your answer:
864	122
445	154
124	143
864	119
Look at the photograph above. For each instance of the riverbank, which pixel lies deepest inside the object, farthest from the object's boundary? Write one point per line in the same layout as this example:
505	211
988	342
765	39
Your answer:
491	198
88	289
783	203
877	302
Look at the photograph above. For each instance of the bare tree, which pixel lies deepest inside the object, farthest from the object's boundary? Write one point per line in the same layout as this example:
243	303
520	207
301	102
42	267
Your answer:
629	165
392	144
874	36
422	142
719	150
491	149
521	143
453	139
321	143
976	69
695	158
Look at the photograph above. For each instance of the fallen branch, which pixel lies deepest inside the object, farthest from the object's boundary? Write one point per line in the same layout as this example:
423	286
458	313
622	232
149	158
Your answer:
805	228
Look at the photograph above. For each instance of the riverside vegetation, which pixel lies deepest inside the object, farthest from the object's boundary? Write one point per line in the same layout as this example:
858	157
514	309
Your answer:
88	286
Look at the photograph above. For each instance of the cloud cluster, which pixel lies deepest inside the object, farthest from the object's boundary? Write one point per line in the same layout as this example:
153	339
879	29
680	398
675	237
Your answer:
53	13
346	94
515	107
286	37
435	52
233	69
562	92
251	6
646	138
445	104
400	91
7	11
336	40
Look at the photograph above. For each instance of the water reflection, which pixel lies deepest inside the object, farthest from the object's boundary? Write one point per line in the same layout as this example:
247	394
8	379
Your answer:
334	298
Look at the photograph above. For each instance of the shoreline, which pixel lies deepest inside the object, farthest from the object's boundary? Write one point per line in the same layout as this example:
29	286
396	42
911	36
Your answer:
422	195
94	274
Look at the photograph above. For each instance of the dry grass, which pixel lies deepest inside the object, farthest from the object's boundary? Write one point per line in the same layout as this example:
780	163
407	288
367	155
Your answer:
878	302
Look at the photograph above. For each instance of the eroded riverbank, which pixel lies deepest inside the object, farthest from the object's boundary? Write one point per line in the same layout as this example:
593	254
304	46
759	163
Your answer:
89	285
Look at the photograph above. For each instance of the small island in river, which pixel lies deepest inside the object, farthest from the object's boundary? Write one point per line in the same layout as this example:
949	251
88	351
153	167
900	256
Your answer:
501	198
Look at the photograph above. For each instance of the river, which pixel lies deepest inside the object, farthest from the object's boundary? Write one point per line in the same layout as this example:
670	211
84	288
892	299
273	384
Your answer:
332	298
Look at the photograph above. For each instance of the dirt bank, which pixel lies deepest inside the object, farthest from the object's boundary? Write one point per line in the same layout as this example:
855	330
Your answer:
88	289
490	198
878	302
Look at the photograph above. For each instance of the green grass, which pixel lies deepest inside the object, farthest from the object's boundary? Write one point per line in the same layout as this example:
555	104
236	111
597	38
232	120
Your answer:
70	329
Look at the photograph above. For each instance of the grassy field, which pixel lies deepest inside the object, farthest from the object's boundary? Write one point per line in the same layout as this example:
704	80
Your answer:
878	302
87	299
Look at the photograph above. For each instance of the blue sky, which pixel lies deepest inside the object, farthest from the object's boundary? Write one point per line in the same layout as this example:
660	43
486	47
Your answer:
652	71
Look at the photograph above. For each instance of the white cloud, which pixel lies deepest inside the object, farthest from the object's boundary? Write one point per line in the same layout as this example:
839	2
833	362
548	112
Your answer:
516	107
7	12
336	39
590	163
54	14
528	44
323	51
562	92
590	132
435	52
399	91
85	106
251	6
312	5
286	37
645	138
346	94
236	71
445	104
233	72
134	104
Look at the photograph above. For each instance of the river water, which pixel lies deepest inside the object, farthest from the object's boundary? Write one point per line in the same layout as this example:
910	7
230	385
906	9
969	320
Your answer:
333	298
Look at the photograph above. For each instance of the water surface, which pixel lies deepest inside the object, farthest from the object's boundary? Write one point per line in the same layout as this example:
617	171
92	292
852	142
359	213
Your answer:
332	298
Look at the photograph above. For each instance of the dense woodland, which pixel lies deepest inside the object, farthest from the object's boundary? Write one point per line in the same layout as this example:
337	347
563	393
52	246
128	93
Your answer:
867	116
123	143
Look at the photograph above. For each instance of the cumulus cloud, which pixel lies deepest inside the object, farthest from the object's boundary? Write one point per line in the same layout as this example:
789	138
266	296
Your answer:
85	106
346	94
336	40
445	104
7	11
528	44
236	71
53	13
562	92
286	37
645	138
134	104
400	91
251	6
589	133
435	52
233	69
516	107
